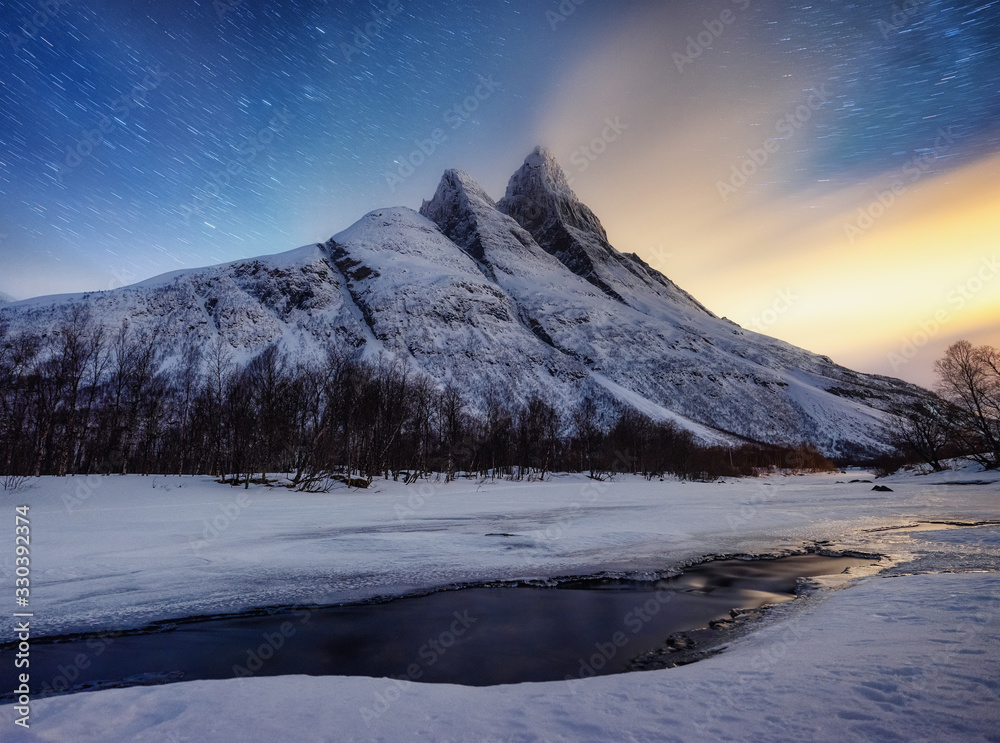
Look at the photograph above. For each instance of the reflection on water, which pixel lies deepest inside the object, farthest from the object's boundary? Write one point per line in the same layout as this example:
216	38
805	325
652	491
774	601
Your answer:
475	636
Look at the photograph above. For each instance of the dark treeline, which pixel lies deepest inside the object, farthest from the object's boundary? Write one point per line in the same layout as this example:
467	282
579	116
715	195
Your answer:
86	399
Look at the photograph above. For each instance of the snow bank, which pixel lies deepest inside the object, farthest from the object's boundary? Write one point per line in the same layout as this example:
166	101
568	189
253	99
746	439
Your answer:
905	659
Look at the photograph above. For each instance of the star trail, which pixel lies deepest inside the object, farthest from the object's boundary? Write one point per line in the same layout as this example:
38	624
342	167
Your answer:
141	137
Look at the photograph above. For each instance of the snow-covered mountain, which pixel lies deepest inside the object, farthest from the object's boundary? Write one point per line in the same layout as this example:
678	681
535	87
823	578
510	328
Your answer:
541	200
525	296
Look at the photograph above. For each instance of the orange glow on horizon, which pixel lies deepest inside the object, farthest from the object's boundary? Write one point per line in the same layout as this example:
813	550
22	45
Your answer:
860	298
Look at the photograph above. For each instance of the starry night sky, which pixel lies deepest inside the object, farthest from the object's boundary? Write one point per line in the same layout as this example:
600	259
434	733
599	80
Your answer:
140	137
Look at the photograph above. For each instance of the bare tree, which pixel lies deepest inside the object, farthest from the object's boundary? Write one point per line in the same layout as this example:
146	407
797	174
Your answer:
83	397
968	377
588	433
537	436
19	365
922	429
140	358
97	363
451	408
188	382
73	355
219	370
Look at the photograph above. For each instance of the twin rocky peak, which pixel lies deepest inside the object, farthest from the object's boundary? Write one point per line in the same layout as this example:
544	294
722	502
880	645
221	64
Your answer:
505	300
542	213
552	308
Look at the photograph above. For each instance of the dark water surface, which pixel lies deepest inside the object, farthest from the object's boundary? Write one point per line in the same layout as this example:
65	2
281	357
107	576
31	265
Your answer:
477	636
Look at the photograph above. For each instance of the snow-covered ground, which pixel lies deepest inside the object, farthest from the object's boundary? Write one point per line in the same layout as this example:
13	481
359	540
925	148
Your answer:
893	657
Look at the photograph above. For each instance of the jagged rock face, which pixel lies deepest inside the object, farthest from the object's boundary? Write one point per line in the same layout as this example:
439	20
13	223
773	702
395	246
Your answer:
469	217
297	298
539	196
524	297
453	209
427	301
540	199
681	362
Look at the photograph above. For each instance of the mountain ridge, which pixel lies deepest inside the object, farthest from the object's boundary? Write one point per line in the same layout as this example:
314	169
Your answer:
540	199
520	297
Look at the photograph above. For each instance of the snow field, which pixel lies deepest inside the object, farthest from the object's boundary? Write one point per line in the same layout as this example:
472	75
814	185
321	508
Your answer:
908	658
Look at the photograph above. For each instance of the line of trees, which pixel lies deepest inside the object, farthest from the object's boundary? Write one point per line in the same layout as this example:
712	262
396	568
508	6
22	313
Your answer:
86	399
963	419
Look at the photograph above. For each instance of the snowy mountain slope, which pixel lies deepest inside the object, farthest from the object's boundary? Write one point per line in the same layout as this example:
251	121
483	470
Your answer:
427	301
512	299
563	310
630	355
676	357
540	199
293	298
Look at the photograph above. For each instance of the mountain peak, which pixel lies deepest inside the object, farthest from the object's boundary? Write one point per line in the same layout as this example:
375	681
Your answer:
458	206
456	186
540	199
542	157
539	192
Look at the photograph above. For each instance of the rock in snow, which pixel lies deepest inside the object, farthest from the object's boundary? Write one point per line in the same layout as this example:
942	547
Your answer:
521	297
